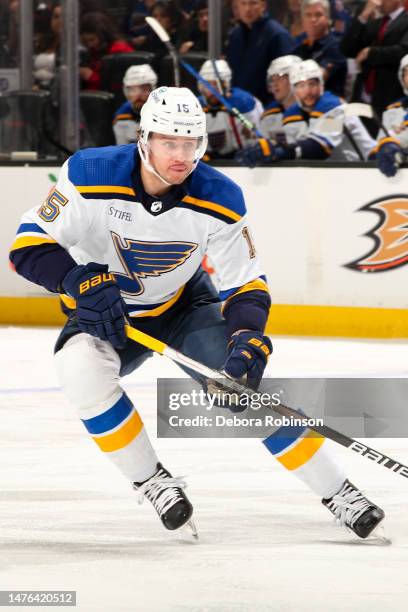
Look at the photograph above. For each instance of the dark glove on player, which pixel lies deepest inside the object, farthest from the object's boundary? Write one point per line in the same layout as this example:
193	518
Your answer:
389	158
263	151
248	356
100	308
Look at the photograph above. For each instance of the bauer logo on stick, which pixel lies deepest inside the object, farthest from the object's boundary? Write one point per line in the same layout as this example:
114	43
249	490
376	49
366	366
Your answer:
390	236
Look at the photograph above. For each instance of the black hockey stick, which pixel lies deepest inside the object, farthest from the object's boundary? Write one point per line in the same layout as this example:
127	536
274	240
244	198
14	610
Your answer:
164	37
219	380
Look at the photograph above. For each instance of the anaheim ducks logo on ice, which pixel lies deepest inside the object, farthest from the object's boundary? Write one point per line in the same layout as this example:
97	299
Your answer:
390	236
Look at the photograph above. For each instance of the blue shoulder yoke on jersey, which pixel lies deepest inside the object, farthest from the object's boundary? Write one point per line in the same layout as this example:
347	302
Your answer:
273	108
326	103
294	113
323	105
211	192
125	111
103	172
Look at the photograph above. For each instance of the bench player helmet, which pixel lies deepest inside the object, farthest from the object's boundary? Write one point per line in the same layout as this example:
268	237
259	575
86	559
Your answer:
172	111
282	65
138	75
221	72
303	71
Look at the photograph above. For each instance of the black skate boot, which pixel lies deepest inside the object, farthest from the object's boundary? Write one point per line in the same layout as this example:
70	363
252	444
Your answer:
353	510
168	499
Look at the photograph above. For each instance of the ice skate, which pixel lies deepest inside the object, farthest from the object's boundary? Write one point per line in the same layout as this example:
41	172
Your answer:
354	511
168	499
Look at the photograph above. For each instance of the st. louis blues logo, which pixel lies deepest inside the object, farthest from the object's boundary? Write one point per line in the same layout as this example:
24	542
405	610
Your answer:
141	259
390	236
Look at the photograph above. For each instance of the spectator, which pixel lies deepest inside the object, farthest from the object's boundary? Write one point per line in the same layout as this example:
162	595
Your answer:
195	37
225	134
254	42
314	126
340	15
172	21
46	46
293	19
99	36
9	32
134	24
138	82
279	86
378	44
321	45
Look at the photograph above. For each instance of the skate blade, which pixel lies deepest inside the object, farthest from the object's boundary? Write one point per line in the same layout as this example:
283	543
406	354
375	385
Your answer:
379	536
192	529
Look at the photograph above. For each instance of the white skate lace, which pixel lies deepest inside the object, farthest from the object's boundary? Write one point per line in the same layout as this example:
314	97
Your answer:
161	491
348	505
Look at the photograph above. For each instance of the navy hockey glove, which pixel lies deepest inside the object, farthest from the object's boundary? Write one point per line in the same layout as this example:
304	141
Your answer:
100	309
249	353
263	151
389	158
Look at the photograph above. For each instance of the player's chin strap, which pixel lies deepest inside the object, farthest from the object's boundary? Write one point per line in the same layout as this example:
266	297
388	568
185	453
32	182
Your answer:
227	385
144	155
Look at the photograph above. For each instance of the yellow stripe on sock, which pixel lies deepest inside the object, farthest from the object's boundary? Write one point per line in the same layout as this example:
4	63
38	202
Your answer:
120	438
302	452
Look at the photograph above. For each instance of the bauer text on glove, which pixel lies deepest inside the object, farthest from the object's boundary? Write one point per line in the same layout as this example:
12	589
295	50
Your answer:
248	356
100	309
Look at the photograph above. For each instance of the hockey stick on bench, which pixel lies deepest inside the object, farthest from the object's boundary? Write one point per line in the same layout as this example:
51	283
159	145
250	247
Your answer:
228	385
165	38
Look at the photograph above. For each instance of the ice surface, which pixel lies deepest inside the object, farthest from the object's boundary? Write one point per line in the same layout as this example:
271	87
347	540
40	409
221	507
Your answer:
69	521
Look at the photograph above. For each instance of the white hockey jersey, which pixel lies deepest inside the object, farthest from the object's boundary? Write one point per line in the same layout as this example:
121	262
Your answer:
324	124
395	121
126	124
98	212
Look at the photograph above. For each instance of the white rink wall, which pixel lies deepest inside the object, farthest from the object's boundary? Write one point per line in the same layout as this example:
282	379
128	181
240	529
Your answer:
306	223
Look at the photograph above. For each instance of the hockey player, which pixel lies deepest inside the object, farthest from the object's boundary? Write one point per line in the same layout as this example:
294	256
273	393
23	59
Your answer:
277	83
225	134
138	82
391	145
121	237
316	126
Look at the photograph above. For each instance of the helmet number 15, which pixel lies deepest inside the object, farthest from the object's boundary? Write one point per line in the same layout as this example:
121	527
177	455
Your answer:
183	108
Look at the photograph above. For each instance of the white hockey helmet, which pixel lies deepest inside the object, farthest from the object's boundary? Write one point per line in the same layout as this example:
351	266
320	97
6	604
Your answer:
303	71
282	65
172	111
221	71
401	70
141	74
